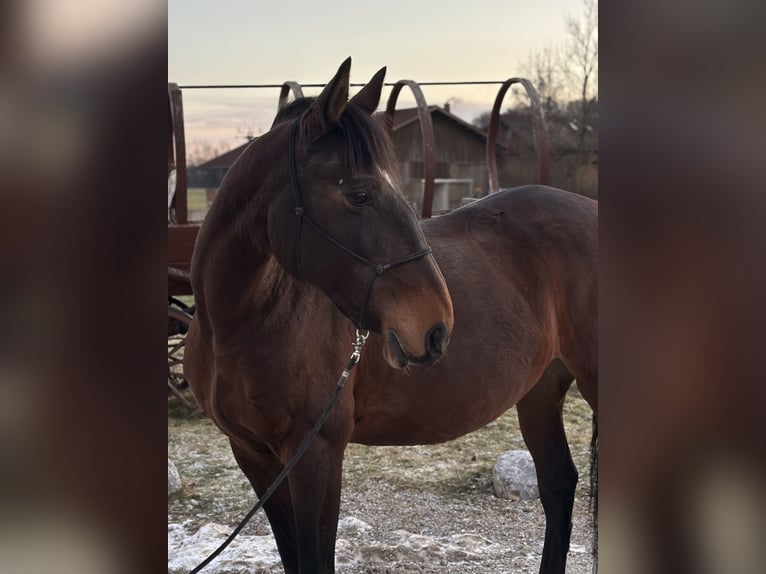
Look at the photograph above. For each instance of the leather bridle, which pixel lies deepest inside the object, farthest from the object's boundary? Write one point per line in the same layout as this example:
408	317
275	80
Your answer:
300	212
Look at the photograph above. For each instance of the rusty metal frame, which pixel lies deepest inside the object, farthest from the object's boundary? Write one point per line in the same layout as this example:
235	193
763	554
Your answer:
177	151
171	152
173	360
427	134
284	93
540	133
179	274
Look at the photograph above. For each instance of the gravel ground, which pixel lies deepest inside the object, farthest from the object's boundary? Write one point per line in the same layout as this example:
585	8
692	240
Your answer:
403	510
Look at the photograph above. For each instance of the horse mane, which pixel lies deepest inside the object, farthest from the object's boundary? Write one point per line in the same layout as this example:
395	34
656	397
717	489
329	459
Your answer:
293	110
365	141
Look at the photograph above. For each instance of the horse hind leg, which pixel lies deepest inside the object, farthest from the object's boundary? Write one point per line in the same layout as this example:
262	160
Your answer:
583	363
261	468
581	342
542	426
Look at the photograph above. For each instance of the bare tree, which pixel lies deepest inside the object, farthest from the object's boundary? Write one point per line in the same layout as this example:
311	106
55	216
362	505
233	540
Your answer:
247	133
580	65
544	69
565	76
200	152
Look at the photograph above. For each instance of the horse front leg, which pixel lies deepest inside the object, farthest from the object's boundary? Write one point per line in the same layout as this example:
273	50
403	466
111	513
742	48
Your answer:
261	468
315	485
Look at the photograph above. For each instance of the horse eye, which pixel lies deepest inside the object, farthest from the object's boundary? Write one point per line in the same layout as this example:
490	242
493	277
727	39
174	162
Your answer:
358	198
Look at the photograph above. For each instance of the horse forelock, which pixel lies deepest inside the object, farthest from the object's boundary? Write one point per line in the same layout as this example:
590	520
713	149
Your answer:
366	145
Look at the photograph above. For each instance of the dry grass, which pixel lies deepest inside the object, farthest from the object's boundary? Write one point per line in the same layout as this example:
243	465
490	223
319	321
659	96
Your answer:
437	491
454	468
465	464
196	199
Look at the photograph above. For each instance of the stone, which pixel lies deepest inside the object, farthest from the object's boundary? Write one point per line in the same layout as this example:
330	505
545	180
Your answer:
352	525
174	480
514	476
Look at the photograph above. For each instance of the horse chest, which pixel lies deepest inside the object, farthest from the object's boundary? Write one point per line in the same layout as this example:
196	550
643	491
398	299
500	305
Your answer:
251	405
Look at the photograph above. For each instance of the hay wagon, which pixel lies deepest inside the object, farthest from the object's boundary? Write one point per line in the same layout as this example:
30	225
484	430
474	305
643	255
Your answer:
182	235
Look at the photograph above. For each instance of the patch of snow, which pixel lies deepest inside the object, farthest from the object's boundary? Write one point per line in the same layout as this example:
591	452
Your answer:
247	553
174	480
416	548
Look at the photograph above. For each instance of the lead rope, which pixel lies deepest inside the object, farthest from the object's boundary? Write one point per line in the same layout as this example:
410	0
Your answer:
359	343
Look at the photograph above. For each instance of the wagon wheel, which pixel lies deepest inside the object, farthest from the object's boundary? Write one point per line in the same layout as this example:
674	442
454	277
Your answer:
179	319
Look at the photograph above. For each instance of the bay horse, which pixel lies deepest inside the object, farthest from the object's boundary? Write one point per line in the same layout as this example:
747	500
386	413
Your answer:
291	258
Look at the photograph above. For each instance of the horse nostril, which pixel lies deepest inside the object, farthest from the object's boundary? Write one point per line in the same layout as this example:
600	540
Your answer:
437	339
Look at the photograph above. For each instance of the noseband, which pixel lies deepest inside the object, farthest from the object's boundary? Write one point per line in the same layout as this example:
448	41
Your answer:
377	268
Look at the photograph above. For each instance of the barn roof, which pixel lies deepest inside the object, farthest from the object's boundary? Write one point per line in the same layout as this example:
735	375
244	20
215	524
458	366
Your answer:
225	159
406	116
402	118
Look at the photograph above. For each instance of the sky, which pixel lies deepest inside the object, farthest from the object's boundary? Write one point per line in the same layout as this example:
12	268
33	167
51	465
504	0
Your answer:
268	42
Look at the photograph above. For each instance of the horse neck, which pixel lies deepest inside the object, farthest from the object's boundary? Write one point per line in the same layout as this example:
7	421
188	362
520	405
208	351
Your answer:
237	277
232	259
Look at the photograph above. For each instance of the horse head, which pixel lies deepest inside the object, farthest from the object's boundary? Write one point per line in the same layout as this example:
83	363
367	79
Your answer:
340	223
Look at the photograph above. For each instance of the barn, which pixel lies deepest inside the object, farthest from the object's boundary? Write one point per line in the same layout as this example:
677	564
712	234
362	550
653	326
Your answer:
460	150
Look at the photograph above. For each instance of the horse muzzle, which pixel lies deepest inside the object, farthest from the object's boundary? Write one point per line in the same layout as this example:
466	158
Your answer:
435	345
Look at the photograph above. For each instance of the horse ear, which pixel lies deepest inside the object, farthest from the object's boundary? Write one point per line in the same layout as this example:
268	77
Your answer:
369	96
333	99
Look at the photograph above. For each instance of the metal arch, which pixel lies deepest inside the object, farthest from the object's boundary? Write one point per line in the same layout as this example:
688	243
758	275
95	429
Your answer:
171	151
178	141
427	133
284	93
540	131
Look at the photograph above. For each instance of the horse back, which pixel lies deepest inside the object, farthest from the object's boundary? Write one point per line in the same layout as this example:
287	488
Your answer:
530	255
535	213
520	269
540	233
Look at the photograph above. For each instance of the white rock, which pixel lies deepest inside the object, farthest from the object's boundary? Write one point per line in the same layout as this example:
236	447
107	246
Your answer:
514	476
174	480
352	525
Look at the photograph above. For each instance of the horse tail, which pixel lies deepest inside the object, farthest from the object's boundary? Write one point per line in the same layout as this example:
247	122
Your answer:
594	491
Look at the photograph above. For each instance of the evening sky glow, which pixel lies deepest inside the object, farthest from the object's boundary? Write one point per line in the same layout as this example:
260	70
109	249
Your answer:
257	42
